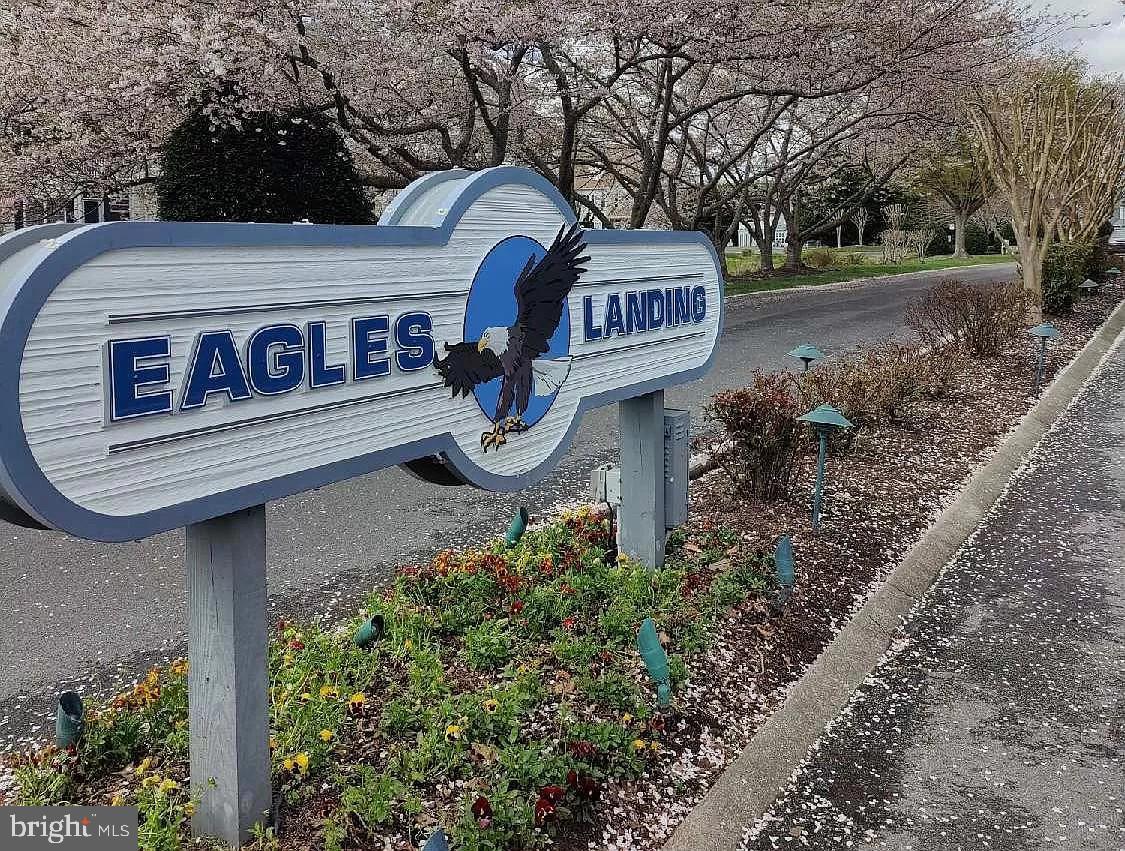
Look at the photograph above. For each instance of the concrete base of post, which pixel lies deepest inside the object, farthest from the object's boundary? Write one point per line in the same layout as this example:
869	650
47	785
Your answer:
228	678
640	521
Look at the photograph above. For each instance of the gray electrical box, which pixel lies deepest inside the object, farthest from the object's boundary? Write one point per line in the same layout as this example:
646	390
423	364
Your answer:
677	454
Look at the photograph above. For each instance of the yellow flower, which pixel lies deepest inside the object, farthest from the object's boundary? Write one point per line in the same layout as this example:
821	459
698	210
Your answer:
302	761
287	763
329	691
288	658
273	743
326	735
491	705
117	801
626	719
408	644
168	784
654	745
305	696
151	780
179	667
357	699
144	765
452	732
639	744
189	809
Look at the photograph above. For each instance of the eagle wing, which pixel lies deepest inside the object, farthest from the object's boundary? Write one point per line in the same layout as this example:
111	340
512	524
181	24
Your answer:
541	290
463	367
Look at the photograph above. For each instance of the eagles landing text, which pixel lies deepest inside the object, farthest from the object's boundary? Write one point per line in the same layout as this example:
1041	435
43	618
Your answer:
282	358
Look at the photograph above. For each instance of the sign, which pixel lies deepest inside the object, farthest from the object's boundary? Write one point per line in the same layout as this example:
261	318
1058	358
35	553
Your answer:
157	374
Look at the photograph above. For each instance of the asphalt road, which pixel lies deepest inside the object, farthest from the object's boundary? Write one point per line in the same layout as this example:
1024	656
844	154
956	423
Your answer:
84	615
1000	721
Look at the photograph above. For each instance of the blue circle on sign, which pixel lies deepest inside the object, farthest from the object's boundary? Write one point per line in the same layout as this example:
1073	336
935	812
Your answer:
492	304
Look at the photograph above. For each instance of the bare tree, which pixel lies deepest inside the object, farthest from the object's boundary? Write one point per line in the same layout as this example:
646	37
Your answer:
860	217
1053	143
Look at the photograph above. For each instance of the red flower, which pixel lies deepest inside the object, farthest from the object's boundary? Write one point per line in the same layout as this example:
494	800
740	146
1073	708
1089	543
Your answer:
587	786
282	625
546	566
582	749
544	810
569	622
554	794
482	812
296	644
572	778
517	606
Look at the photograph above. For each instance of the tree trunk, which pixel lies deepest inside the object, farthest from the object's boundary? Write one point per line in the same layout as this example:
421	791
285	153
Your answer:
793	250
839	237
1031	272
765	254
960	222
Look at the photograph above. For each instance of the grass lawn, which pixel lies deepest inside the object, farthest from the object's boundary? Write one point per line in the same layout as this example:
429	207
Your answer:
741	281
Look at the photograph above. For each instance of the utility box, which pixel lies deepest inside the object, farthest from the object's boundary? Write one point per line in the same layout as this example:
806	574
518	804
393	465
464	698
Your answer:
605	485
677	455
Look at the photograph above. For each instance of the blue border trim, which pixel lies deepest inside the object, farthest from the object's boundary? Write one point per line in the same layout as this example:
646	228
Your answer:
27	484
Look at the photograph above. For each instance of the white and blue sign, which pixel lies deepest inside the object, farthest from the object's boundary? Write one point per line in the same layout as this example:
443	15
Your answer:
157	374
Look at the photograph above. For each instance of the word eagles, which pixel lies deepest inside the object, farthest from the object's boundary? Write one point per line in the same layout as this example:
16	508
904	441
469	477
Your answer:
275	359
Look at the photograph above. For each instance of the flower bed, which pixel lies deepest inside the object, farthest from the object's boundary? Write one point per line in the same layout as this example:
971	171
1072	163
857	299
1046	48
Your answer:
503	694
505	698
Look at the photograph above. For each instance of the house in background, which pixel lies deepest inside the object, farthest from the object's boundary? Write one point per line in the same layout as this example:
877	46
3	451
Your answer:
135	203
1117	238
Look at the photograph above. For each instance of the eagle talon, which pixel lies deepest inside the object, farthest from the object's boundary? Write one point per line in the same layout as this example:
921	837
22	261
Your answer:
515	425
494	439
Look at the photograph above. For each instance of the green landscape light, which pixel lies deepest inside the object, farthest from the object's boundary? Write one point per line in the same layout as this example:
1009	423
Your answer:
806	354
437	841
372	629
1044	332
69	719
1089	287
1113	270
517	527
656	660
785	567
824	419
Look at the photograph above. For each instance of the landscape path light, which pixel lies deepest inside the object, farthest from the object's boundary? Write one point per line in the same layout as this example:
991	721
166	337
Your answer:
824	419
1113	270
370	631
517	527
1044	332
786	569
1089	287
806	354
69	720
656	660
437	841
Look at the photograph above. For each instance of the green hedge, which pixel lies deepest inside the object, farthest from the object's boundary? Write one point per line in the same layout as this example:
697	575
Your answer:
1064	268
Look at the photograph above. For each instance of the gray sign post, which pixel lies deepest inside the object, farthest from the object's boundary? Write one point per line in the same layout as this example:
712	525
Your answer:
640	523
228	686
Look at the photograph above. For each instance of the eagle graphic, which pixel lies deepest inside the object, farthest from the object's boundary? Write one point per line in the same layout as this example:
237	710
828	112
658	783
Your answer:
515	353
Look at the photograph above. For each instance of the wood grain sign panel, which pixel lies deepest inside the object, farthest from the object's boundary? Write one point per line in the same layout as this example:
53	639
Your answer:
157	374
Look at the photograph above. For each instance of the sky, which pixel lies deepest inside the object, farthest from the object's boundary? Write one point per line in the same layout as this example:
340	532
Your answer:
1103	45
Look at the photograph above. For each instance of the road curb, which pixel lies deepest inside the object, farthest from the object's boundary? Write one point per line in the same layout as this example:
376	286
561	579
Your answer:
748	787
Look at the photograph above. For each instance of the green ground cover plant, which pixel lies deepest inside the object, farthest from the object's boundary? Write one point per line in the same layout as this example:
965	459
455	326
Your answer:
742	277
503	695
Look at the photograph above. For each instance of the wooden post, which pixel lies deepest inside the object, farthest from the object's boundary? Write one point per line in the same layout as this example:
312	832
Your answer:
640	522
228	678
